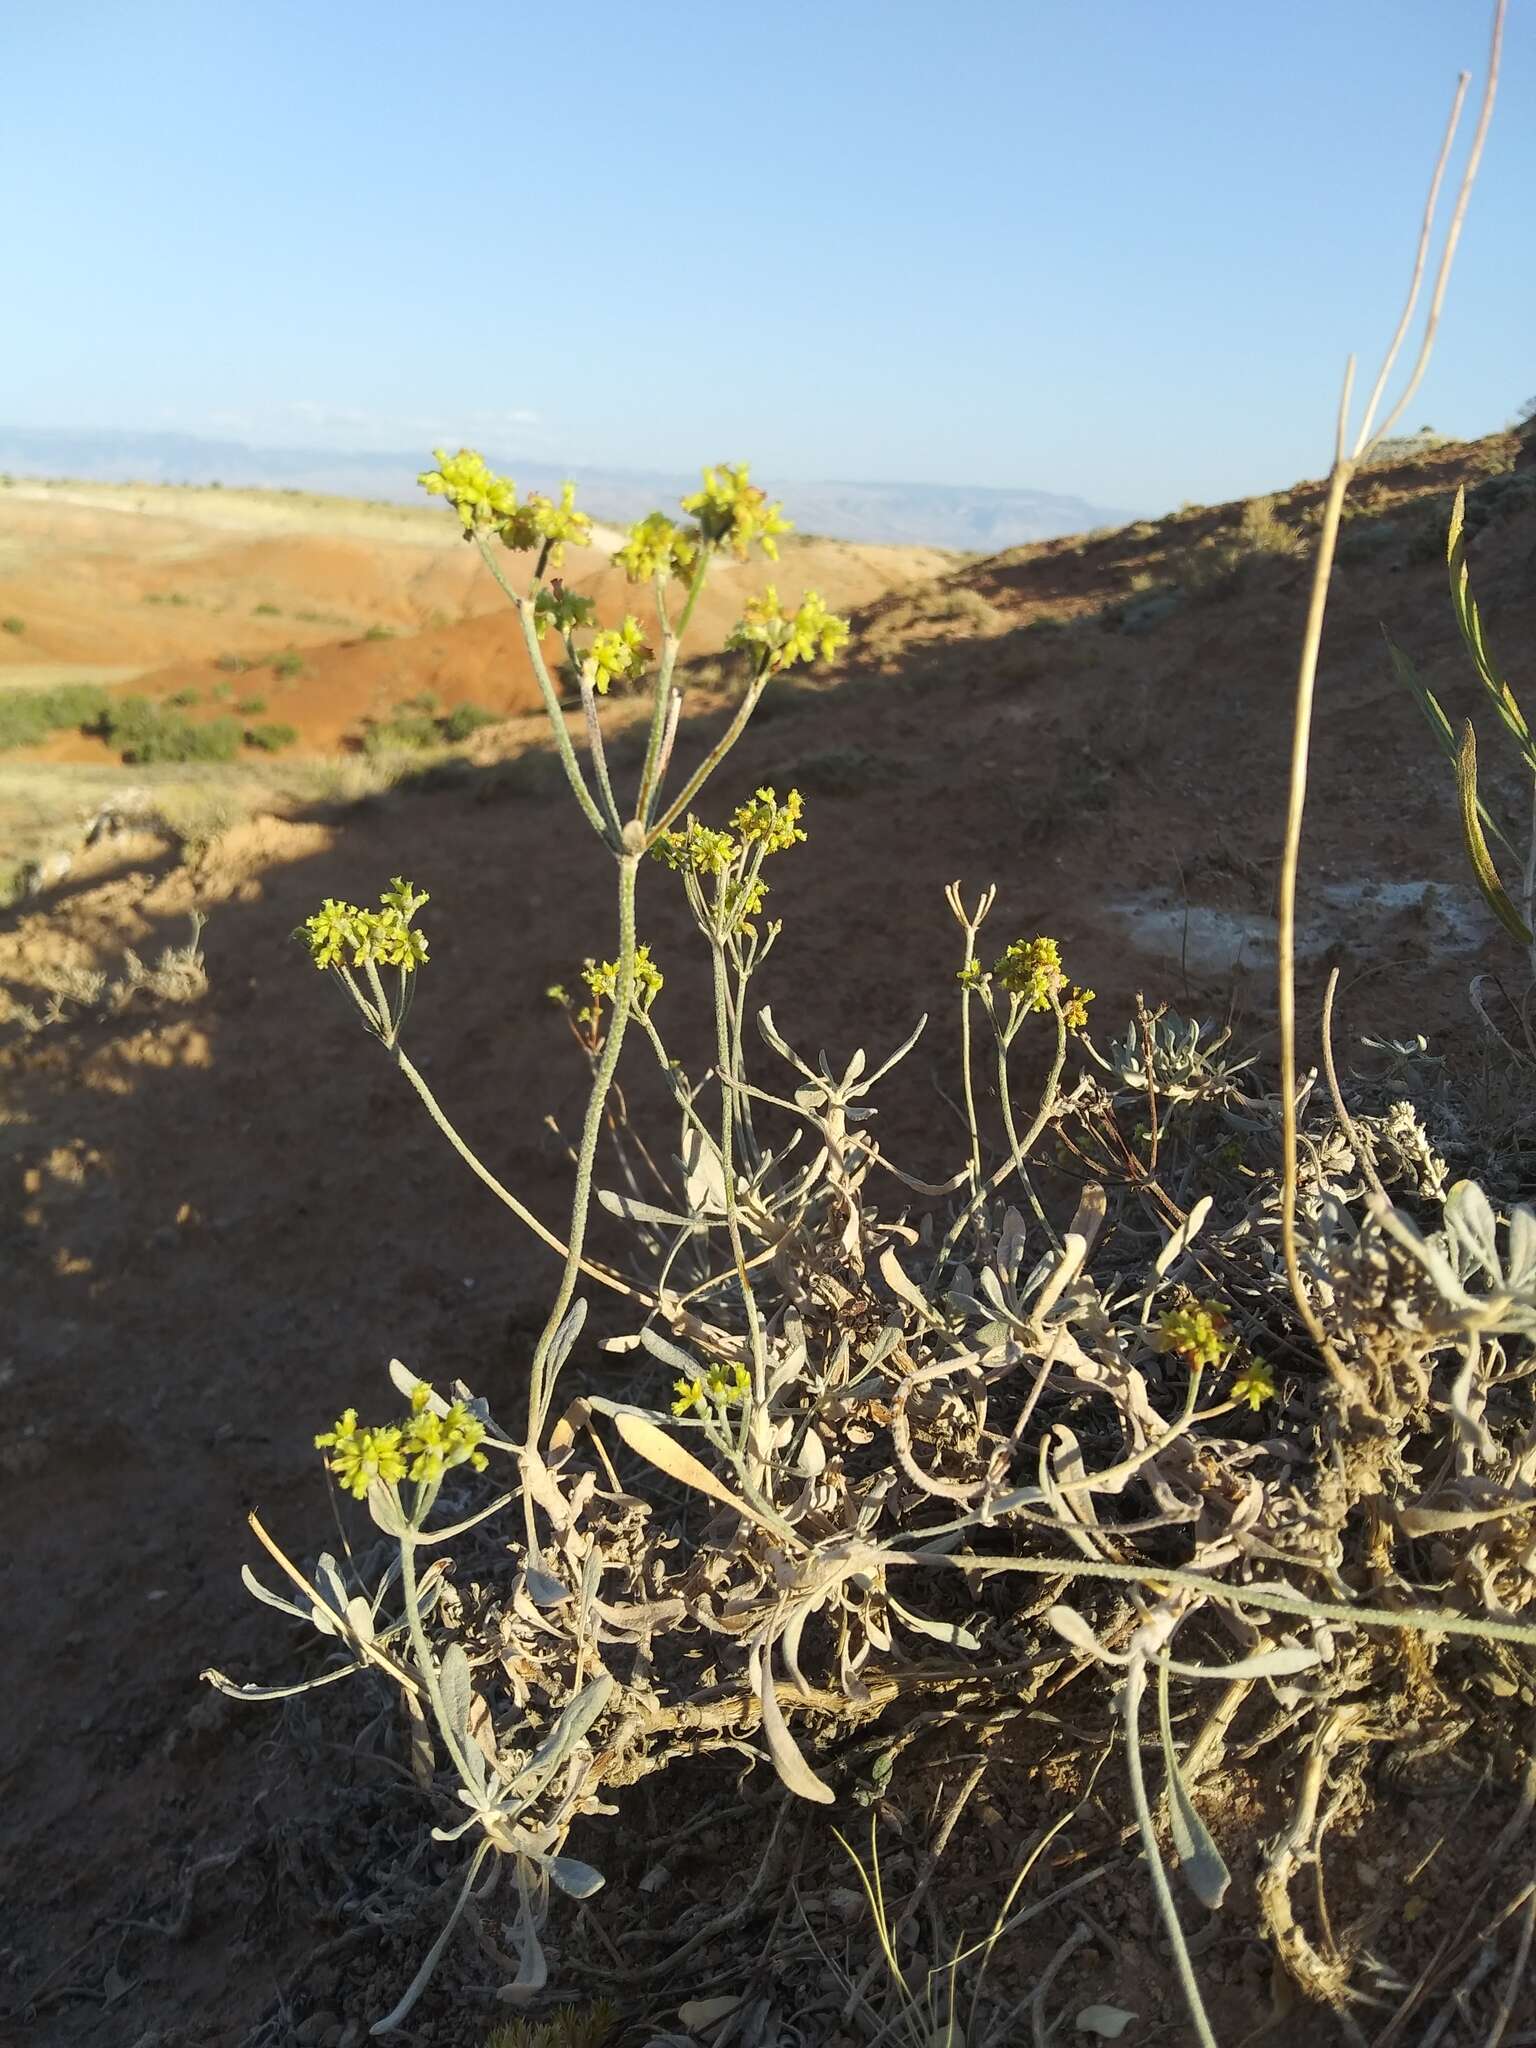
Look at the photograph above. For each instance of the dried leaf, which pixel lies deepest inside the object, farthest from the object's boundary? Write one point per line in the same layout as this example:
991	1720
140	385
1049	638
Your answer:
662	1451
1070	1625
787	1760
1183	1237
1109	2022
704	2012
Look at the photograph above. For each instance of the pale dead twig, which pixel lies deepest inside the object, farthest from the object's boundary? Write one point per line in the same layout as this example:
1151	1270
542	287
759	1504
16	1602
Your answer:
1346	461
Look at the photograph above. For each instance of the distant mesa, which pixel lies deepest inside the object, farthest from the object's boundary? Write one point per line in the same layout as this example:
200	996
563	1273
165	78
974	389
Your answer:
978	519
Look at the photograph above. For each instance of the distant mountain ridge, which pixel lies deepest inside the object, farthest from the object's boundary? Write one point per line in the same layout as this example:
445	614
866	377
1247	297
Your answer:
979	519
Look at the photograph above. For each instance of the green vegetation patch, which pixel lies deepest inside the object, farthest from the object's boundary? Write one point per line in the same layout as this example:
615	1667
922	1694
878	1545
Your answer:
27	717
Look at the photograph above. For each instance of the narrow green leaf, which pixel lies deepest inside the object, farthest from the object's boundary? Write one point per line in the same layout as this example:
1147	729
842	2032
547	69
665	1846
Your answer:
1470	621
1200	1861
1441	727
1477	846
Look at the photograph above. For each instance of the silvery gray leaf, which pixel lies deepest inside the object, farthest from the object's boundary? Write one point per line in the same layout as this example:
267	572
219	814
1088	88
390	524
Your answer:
1469	1216
670	1354
579	1880
258	1591
544	1589
568	1730
564	1339
632	1211
1183	1237
454	1682
1200	1861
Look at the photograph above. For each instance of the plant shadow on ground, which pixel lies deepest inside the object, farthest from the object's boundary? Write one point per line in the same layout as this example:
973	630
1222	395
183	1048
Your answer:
225	1218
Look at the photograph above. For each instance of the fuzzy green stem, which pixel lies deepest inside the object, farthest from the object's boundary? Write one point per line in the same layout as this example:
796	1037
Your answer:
728	1169
503	1194
1134	1684
710	763
426	1662
671	643
566	751
1020	1149
581	1200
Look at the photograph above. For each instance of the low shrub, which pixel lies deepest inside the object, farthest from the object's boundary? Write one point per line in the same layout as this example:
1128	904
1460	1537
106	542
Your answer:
251	707
270	738
404	732
27	717
464	719
146	734
13	625
265	611
1176	1413
289	664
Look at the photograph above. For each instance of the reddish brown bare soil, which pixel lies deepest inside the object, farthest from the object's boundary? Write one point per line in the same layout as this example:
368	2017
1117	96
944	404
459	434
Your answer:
221	1222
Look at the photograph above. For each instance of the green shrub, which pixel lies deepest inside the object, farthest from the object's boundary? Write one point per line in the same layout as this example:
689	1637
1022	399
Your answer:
27	717
232	664
176	597
251	707
13	625
146	733
380	633
405	732
270	738
289	664
464	719
184	700
265	611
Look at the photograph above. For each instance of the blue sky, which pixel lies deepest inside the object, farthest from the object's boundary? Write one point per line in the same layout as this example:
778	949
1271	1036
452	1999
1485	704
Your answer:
1114	247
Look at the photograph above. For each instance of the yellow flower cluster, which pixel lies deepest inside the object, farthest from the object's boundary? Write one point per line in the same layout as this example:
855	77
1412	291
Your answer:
476	493
1201	1333
617	654
696	849
732	512
699	850
1031	972
657	547
719	1387
765	818
422	1448
1253	1385
385	936
487	503
602	977
783	637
